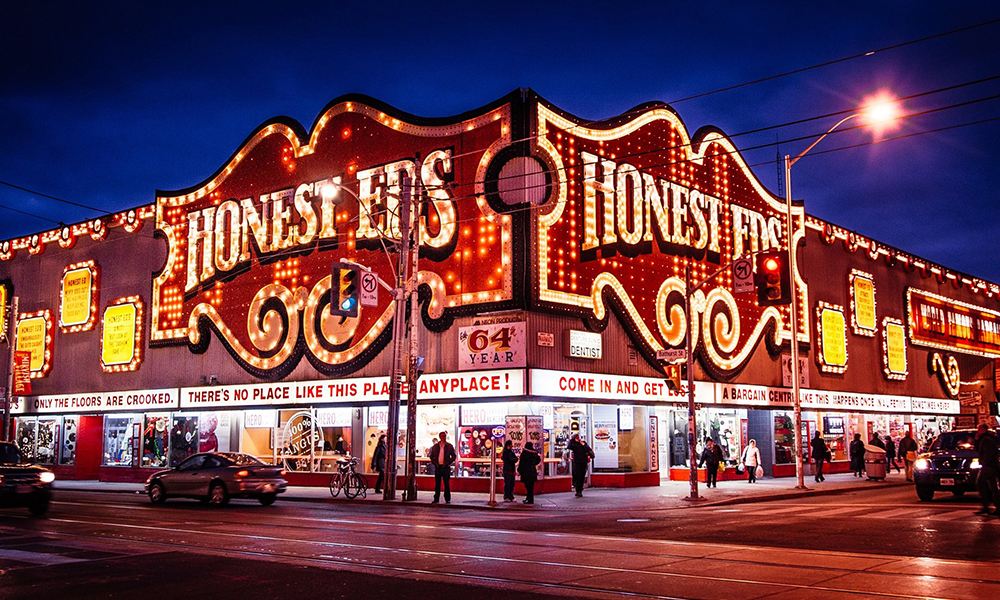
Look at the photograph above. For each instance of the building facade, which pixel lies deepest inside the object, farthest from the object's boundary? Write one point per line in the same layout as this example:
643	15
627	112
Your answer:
551	272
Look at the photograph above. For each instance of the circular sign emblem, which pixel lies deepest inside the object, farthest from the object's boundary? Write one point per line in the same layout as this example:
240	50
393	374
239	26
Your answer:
296	437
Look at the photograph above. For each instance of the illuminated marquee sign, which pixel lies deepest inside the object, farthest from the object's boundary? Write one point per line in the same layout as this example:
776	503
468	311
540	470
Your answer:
4	294
78	297
35	334
99	402
121	339
894	349
250	249
862	294
633	201
831	331
945	324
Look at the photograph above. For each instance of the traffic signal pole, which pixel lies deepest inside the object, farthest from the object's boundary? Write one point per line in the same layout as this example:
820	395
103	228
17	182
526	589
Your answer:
410	493
794	343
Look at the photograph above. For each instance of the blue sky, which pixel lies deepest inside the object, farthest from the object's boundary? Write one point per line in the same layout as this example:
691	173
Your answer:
103	106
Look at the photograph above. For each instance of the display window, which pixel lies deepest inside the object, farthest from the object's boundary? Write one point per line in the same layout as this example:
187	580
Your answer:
184	438
155	440
258	434
297	439
567	419
120	433
833	428
376	420
67	451
214	432
784	439
37	438
332	438
726	427
925	429
24	429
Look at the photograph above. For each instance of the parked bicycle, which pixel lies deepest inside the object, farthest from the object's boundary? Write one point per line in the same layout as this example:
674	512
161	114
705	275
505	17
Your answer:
347	479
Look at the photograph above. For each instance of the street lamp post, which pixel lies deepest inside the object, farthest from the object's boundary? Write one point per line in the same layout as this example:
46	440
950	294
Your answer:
878	111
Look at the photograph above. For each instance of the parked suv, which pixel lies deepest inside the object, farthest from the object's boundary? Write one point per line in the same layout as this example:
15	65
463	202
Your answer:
951	464
23	484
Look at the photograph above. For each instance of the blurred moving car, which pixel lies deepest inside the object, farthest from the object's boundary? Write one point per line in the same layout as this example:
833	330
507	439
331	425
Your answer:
215	477
951	464
23	484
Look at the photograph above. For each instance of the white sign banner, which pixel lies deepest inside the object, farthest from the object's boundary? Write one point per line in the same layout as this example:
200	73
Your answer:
626	417
605	437
438	386
334	417
378	416
260	419
583	344
477	415
757	395
97	402
598	386
546	411
786	370
493	346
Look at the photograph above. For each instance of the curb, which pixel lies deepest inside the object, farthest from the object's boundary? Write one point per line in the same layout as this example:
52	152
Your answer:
807	493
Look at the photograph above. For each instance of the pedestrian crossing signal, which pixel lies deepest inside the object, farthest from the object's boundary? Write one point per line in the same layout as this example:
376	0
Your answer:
345	293
773	279
674	377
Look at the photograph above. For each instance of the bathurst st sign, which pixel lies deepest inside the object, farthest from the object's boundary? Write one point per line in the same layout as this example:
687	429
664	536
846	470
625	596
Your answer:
613	212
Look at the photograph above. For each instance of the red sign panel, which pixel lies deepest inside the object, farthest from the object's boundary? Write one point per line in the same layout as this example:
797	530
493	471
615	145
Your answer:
946	324
637	200
251	248
22	373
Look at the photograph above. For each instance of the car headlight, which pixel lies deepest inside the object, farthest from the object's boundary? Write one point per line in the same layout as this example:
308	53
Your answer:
975	464
921	464
47	477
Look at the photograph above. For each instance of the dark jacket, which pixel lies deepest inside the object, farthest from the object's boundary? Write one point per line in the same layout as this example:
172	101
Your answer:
819	449
509	461
986	446
582	453
907	445
890	448
526	465
877	441
712	457
857	455
449	455
378	457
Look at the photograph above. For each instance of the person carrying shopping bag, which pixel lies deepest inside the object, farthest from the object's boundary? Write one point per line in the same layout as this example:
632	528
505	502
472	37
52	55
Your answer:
711	457
526	468
751	461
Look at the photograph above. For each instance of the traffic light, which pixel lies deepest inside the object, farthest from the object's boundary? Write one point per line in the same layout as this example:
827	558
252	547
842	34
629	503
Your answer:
674	376
345	292
773	279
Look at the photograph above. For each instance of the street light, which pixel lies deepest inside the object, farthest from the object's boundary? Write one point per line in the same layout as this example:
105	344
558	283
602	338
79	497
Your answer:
879	112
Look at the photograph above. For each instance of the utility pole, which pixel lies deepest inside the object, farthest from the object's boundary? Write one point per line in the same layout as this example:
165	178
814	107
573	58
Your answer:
692	432
398	331
5	434
412	374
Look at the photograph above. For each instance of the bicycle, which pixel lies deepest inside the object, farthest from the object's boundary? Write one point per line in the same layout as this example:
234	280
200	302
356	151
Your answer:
347	479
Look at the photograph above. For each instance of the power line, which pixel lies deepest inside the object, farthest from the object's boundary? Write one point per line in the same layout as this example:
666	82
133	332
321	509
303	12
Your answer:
57	199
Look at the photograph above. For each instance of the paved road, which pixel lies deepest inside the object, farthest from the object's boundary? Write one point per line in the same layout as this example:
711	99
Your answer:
879	543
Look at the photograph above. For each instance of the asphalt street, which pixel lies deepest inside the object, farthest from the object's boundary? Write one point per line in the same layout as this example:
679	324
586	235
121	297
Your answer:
872	543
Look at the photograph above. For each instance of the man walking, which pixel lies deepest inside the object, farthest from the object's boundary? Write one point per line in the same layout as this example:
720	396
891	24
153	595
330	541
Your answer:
581	456
890	454
986	446
442	457
819	452
908	451
711	457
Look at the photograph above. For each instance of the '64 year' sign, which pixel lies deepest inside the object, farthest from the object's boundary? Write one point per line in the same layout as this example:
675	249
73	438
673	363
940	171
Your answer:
493	346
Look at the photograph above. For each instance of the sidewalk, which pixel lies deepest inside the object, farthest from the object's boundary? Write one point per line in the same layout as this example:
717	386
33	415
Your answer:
672	494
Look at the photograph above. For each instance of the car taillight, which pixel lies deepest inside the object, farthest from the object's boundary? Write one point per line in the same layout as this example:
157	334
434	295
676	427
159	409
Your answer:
282	472
243	473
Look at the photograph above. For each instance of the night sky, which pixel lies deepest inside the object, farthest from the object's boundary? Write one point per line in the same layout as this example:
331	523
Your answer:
102	107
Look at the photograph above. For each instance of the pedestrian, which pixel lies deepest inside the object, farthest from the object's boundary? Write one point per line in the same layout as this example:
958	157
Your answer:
877	441
819	453
509	470
890	454
442	457
582	454
340	447
711	458
378	463
986	446
857	451
751	460
526	469
908	451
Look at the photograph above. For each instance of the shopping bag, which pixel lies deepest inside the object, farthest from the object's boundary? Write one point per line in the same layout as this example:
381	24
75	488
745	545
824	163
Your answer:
741	468
911	456
760	471
722	467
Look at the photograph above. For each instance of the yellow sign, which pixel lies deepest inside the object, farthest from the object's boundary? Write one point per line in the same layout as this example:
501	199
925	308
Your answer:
864	303
895	347
118	342
77	287
31	338
834	340
3	312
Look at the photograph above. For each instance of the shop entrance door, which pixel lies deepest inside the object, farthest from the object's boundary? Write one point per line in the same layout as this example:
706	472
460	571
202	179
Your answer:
89	447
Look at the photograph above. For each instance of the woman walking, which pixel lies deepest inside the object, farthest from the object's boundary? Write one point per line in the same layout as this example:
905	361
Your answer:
509	470
378	463
526	469
751	460
857	456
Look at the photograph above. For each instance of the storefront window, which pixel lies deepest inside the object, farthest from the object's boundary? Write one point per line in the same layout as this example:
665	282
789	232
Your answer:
214	432
67	455
154	440
258	433
431	421
834	431
119	439
567	420
333	427
25	431
184	438
376	423
784	440
46	439
297	439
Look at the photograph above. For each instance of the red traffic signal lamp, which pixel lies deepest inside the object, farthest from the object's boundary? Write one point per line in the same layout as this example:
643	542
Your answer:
773	279
675	374
345	292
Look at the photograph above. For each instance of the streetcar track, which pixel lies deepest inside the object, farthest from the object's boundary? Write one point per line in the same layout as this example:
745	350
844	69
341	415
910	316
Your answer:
596	568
